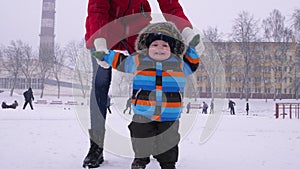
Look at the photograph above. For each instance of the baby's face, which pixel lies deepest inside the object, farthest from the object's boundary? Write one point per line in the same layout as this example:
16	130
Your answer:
159	50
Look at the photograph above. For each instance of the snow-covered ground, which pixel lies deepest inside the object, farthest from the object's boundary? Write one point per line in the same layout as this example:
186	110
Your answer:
54	137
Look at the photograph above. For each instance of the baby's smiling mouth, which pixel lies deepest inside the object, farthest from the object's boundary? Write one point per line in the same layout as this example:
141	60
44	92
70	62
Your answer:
159	53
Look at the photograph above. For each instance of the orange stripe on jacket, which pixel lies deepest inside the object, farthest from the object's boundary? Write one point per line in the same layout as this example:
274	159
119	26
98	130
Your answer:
192	60
171	104
146	73
153	73
115	61
179	74
156	118
137	61
153	103
144	102
159	88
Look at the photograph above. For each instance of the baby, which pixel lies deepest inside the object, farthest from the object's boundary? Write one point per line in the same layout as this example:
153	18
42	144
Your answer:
160	67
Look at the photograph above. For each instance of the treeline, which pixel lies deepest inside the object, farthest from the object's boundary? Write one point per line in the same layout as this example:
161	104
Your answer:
248	49
20	60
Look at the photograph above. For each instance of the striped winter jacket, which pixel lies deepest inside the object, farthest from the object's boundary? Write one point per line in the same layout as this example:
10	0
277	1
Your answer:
157	86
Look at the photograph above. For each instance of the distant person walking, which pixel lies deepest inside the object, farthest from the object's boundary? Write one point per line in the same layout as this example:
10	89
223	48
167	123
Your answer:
128	105
231	105
28	95
204	108
211	107
188	106
108	104
247	108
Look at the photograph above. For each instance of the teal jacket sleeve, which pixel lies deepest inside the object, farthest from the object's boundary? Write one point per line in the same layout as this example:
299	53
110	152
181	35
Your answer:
191	61
120	61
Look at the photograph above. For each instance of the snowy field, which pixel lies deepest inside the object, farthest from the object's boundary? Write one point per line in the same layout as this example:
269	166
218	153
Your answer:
54	137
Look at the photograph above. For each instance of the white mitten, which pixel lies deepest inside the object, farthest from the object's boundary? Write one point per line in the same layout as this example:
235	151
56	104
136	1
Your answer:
103	64
188	34
100	45
193	39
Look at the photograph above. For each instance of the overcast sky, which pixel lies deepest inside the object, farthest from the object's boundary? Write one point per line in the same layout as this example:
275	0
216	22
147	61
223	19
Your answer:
21	19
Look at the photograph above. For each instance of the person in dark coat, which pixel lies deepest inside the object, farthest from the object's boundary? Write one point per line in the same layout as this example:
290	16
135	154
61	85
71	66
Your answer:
188	107
128	105
211	107
247	108
204	108
231	105
28	95
108	104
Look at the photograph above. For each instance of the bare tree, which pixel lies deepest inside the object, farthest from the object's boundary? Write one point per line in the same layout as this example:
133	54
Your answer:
59	61
80	61
213	34
12	61
245	31
122	81
297	72
2	47
266	72
29	64
296	26
229	59
225	51
281	36
285	59
45	66
214	49
274	26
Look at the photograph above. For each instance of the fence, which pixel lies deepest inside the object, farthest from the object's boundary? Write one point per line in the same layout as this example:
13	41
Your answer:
287	109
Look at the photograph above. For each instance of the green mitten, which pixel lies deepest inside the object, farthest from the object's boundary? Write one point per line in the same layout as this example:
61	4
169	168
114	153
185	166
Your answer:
99	55
195	41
